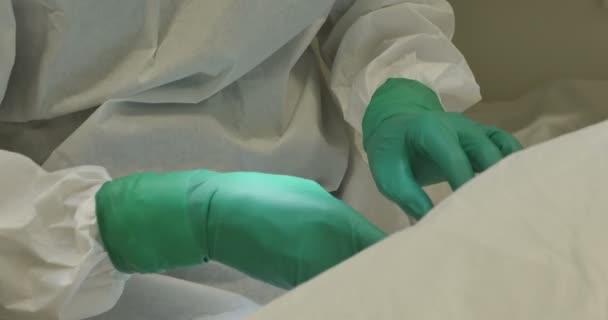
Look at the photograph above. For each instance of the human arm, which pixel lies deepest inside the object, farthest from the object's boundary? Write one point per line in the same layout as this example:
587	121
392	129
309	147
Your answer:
397	76
70	237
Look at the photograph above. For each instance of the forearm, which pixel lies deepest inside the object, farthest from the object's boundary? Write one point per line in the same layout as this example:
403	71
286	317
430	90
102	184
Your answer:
377	40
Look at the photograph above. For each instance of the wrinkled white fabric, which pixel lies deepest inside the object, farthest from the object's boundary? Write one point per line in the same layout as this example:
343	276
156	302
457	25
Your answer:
226	85
524	240
158	297
152	85
53	262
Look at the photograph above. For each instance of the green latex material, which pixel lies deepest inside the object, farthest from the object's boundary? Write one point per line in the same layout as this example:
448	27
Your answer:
146	223
412	142
279	229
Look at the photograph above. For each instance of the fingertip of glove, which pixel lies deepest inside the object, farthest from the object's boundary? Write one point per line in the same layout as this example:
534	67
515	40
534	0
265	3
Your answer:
416	209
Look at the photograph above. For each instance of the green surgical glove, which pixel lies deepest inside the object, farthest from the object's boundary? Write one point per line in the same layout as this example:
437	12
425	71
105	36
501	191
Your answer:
279	229
412	142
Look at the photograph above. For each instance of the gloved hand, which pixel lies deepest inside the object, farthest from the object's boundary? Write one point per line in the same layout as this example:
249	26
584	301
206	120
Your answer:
412	142
279	229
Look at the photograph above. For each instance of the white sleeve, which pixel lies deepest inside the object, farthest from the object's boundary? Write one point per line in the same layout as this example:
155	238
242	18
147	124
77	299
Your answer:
53	263
7	44
373	40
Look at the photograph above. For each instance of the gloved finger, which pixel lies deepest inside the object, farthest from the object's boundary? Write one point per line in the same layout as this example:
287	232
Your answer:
481	151
504	141
395	180
444	149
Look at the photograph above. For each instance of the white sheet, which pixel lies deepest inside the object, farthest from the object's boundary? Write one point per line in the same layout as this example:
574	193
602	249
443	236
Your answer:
525	240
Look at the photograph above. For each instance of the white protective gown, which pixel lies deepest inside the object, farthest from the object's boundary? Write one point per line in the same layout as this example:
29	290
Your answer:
91	90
